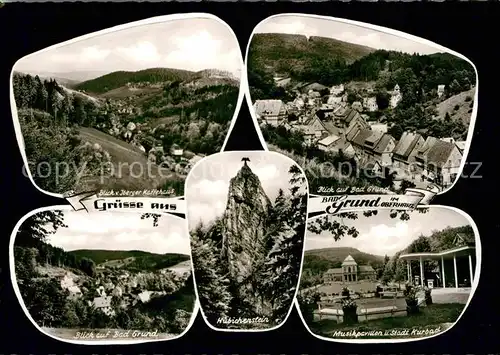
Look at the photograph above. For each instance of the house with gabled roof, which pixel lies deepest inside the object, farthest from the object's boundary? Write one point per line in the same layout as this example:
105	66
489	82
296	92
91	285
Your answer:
337	145
461	145
192	162
337	90
104	305
273	112
347	119
312	129
358	142
370	104
439	161
334	100
357	106
377	126
314	87
403	155
371	146
382	148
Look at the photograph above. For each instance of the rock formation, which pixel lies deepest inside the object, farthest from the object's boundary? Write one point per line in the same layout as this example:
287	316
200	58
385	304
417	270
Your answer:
244	223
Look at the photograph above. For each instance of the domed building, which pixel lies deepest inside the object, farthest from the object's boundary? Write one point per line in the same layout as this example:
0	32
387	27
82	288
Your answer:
350	271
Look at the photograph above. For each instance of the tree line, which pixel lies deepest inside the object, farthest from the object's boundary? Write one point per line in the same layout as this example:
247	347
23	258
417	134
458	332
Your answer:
51	306
422	72
395	268
65	109
48	116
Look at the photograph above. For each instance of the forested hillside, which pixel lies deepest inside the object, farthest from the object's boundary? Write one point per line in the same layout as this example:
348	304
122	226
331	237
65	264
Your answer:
118	79
295	54
152	111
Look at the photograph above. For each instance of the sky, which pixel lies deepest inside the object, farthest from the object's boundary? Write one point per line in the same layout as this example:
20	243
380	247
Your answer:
383	235
342	31
190	44
207	185
121	231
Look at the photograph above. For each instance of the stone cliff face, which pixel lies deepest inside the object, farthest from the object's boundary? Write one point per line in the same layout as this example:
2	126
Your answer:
244	221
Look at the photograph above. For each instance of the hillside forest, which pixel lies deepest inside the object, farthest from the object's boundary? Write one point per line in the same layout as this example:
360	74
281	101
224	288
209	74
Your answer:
103	132
83	290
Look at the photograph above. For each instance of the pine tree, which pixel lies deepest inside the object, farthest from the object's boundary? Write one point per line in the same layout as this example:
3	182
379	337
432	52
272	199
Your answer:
212	286
282	267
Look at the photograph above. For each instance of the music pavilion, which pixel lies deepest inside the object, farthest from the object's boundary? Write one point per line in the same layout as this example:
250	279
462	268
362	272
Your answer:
455	266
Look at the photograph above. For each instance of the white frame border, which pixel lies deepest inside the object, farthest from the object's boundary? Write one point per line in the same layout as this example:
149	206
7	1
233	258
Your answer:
407	340
20	299
397	33
268	153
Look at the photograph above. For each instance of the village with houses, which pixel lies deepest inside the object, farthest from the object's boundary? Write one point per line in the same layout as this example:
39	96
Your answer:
154	117
356	115
89	290
172	157
327	121
113	289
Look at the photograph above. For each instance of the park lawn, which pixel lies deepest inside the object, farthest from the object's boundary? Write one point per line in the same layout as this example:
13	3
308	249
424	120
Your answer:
431	317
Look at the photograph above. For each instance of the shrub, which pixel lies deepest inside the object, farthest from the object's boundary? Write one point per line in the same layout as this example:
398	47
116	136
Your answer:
428	296
308	302
410	294
468	98
456	107
345	292
349	307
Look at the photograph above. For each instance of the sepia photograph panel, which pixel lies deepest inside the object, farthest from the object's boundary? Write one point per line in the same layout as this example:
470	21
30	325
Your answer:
132	108
104	277
361	108
388	274
247	217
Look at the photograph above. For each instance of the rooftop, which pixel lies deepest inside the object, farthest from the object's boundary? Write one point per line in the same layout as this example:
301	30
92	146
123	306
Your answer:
445	254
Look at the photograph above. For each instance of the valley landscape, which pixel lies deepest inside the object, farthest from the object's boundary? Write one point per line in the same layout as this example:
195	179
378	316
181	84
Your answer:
357	115
101	294
93	126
